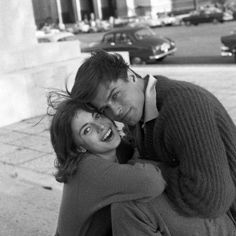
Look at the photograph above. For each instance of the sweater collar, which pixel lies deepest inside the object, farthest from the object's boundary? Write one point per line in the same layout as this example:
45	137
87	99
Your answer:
150	108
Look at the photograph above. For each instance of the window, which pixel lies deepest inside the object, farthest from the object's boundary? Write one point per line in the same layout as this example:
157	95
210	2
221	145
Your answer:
109	38
144	33
123	38
43	40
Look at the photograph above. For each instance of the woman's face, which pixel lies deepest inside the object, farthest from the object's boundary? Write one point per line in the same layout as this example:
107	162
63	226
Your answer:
94	132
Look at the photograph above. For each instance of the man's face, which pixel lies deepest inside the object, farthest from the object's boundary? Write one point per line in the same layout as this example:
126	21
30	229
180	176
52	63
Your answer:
121	100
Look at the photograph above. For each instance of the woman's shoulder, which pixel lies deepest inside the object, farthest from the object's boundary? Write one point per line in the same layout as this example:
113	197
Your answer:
90	167
89	158
90	161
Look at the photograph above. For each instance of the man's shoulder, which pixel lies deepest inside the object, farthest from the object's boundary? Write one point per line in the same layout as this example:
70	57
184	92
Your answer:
162	77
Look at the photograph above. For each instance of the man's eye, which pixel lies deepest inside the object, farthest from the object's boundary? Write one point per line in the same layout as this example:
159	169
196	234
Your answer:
115	95
86	130
97	115
102	111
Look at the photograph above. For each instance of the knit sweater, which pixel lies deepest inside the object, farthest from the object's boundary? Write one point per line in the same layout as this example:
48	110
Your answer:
195	139
99	183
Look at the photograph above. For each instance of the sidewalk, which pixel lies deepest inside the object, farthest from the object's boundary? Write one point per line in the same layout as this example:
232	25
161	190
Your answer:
29	195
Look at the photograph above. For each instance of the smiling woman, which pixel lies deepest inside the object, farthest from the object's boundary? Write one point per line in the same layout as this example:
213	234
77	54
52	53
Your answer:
94	164
96	133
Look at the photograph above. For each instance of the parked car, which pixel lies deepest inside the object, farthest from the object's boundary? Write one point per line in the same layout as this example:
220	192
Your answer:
168	19
81	27
54	36
203	16
152	22
228	16
125	21
141	42
228	47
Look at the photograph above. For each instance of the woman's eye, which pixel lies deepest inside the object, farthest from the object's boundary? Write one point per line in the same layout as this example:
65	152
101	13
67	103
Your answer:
86	130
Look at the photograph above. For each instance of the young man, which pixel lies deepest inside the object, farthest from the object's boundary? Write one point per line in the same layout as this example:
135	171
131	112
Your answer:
179	124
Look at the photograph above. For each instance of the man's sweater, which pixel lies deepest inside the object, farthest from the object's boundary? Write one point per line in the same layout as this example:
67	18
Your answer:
195	139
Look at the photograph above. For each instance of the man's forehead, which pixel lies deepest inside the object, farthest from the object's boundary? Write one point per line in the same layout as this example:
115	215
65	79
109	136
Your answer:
104	89
102	94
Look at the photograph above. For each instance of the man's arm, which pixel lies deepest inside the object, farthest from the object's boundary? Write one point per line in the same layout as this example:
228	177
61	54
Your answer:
201	184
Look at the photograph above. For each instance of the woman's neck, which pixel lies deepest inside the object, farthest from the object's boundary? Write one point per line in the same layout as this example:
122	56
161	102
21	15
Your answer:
109	156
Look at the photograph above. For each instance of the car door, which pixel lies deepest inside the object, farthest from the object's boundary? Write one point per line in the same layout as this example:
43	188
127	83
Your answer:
203	17
108	42
123	42
208	16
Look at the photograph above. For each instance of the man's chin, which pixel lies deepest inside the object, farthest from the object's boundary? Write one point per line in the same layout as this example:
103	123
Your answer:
132	122
132	118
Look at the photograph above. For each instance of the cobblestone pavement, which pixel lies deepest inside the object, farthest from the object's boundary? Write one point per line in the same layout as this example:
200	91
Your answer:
30	197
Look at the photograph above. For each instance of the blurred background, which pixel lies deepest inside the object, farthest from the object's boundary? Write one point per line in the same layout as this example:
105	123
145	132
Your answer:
42	42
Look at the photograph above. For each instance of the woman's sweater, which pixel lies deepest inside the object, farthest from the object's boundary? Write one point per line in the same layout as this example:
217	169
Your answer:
97	184
195	139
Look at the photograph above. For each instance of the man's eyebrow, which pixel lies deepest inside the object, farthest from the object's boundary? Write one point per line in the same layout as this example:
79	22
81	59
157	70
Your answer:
107	99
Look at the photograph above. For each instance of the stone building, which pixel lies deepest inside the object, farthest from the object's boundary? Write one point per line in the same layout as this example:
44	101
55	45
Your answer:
27	68
70	11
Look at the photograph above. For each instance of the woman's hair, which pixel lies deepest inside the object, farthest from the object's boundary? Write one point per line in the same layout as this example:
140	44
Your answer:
63	109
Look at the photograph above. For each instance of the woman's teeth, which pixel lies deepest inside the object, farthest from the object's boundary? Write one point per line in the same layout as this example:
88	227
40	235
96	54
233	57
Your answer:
107	135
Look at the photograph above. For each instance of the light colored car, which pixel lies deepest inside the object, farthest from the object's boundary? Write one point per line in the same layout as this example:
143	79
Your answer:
54	36
150	21
167	19
228	16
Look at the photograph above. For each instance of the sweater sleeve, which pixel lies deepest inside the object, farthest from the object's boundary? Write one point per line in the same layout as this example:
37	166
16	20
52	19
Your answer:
109	182
201	184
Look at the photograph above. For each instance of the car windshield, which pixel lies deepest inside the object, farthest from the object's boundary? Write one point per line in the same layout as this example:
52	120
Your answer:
144	33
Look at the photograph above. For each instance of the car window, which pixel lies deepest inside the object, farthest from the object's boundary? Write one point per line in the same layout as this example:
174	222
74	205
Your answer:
122	38
144	33
109	38
67	38
43	40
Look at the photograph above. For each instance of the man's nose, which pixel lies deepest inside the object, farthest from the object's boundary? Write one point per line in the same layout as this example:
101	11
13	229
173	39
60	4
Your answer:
116	110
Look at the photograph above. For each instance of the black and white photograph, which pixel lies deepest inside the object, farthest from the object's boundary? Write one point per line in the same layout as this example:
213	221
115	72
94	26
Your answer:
118	118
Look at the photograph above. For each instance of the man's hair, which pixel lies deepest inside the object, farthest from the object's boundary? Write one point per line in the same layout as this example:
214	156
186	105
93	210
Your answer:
101	67
63	109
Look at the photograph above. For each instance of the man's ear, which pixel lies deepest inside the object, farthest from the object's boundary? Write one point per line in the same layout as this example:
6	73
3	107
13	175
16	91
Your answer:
131	76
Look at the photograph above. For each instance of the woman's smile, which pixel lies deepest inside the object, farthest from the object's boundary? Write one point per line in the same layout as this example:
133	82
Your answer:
108	136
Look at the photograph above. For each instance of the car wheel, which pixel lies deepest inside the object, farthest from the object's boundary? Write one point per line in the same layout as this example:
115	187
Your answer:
137	61
234	57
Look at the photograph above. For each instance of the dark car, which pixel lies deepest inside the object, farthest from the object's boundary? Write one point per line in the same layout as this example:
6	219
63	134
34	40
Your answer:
203	16
229	45
141	42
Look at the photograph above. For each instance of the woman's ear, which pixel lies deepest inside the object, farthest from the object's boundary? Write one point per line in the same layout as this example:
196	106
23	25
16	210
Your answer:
81	149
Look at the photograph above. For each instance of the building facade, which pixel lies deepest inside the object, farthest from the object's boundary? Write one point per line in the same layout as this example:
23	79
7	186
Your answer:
71	11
